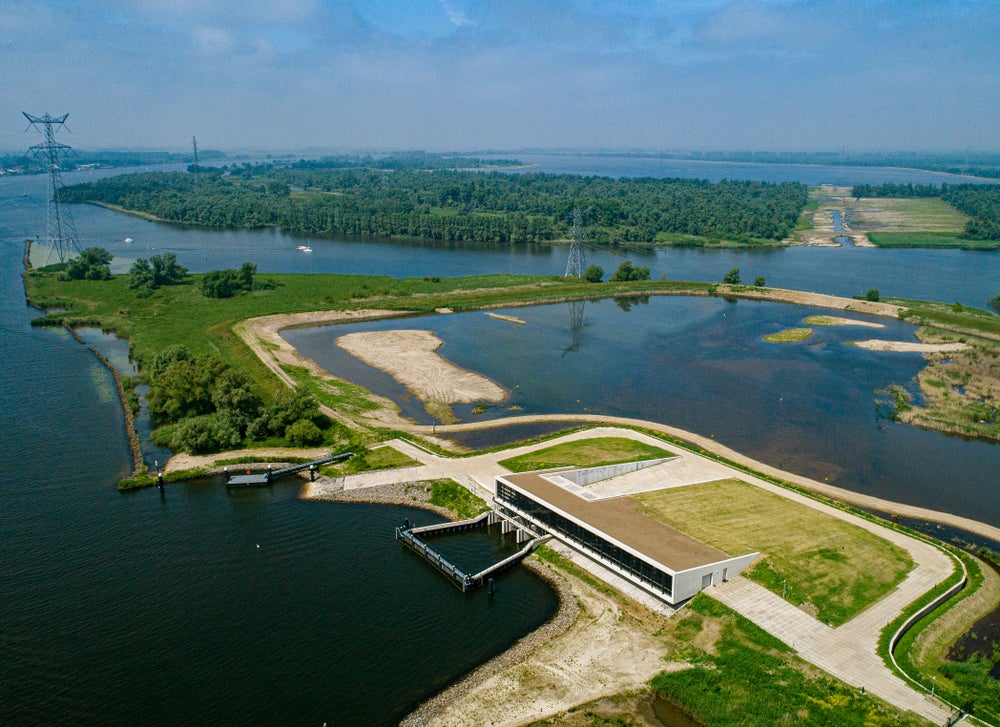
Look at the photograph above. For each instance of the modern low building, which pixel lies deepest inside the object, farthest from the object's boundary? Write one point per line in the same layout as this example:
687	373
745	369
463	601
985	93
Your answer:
615	532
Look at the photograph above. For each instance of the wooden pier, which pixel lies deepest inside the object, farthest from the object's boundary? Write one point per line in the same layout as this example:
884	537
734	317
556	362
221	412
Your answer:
411	538
263	479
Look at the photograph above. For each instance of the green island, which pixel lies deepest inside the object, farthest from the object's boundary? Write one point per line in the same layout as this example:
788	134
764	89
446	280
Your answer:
789	335
212	393
403	197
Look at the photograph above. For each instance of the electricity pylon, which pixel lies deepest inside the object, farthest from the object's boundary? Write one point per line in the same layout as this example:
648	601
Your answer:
60	232
576	263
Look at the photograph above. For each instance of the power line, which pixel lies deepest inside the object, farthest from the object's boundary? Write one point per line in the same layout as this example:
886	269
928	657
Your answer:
60	232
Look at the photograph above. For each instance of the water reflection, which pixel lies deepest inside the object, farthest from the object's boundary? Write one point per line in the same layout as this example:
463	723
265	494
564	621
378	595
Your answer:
701	364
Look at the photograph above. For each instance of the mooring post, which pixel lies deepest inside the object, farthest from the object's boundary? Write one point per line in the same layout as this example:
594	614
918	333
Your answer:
492	585
159	479
312	473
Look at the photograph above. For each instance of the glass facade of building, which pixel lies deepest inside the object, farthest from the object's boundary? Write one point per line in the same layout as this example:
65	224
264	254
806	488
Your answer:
585	539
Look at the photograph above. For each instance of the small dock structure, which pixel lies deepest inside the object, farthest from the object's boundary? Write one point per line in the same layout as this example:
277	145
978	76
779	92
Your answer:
263	479
414	539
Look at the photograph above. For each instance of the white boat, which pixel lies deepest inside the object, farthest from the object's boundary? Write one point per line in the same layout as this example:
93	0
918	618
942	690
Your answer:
306	249
128	239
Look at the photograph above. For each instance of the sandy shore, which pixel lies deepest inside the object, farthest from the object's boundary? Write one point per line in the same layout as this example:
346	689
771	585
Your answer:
910	346
819	300
410	357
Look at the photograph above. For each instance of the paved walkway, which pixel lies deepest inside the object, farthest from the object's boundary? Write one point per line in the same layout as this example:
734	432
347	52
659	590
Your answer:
848	652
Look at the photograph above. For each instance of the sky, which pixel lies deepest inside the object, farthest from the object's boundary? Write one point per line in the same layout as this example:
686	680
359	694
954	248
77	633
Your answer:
470	75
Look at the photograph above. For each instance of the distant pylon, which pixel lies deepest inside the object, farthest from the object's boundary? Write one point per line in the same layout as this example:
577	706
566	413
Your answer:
60	232
576	262
194	145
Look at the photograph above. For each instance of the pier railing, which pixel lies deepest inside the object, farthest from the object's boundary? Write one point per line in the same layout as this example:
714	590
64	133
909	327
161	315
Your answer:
465	581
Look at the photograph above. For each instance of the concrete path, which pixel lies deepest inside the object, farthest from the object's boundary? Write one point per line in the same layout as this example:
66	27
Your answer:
848	652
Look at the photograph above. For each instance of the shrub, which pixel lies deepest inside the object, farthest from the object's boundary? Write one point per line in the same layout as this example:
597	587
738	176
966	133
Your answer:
303	433
94	263
873	295
202	434
732	277
627	271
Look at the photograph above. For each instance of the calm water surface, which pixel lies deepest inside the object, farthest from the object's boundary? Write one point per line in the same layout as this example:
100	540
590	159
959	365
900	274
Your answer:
159	609
701	364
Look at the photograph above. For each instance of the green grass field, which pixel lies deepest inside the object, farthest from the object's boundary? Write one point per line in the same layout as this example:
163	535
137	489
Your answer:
750	678
586	453
815	558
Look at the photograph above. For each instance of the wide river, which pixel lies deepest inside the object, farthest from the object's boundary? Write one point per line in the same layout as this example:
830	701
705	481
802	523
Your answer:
161	608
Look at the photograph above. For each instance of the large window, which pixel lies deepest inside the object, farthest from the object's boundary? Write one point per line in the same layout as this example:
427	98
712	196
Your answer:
586	539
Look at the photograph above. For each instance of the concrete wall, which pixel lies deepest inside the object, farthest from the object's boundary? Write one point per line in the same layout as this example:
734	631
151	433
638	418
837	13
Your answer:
590	475
689	582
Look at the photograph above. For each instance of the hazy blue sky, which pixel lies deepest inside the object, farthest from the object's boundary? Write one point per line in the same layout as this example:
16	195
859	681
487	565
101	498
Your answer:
474	74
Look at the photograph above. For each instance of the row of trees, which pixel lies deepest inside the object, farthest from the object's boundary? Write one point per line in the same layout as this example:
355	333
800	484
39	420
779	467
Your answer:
488	207
981	202
203	405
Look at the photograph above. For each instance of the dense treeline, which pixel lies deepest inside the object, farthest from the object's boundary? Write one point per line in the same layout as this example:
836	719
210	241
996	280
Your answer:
203	405
981	202
895	189
487	207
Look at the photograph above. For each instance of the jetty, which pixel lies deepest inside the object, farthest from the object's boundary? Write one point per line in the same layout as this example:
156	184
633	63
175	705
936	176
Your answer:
265	478
414	538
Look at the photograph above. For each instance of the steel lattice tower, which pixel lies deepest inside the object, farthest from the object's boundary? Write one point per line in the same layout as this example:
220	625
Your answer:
576	263
60	232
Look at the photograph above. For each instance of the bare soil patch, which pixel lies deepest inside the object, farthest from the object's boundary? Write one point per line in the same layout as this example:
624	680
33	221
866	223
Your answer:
606	651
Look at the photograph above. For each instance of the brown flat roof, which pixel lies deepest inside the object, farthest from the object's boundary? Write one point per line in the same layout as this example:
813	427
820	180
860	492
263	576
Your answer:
622	519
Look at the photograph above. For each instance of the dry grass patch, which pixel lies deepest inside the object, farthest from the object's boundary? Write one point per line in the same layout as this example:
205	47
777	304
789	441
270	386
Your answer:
887	214
817	560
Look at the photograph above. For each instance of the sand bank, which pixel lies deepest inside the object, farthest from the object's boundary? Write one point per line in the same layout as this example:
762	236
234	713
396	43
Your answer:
910	346
836	321
509	319
410	357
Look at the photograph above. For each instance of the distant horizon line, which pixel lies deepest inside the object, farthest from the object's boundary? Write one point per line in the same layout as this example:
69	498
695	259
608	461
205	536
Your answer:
594	151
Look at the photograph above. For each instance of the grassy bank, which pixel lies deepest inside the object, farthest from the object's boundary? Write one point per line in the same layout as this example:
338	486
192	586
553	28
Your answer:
745	676
960	389
930	240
